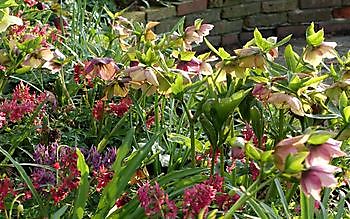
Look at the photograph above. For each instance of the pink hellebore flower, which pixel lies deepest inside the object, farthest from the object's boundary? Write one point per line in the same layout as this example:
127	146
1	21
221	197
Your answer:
196	35
322	154
191	66
287	147
314	55
196	66
105	68
316	177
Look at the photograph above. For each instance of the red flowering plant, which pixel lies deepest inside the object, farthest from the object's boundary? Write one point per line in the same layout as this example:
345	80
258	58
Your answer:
158	129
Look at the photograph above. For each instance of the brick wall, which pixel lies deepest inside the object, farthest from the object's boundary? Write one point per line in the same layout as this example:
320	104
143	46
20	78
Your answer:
235	20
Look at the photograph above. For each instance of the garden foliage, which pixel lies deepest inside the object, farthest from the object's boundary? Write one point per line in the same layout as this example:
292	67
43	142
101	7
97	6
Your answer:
102	118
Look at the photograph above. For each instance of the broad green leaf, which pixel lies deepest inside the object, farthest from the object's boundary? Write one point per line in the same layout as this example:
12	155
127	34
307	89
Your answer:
59	213
253	152
226	106
7	3
178	86
84	186
261	42
120	180
186	55
291	58
184	140
319	137
294	163
223	54
314	38
346	113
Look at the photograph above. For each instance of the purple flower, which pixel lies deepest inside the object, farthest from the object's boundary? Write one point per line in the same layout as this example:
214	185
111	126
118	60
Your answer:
316	177
322	154
96	159
45	154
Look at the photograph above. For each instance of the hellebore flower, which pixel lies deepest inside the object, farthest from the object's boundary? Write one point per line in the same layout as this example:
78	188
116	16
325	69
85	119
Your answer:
316	177
140	75
314	55
322	154
261	92
286	101
196	33
105	68
289	146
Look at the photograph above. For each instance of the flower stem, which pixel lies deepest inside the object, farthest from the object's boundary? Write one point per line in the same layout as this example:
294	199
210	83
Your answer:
192	137
246	196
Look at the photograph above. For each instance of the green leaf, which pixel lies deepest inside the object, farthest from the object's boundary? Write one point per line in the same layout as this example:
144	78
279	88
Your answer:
186	55
346	113
319	137
294	163
123	150
261	42
343	101
291	58
282	197
314	38
253	152
257	122
260	212
184	140
59	213
283	41
226	106
118	184
84	186
267	156
310	29
7	3
211	47
223	54
178	86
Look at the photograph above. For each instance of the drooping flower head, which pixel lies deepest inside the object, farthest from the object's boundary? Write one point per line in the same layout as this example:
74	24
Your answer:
316	177
105	68
322	154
